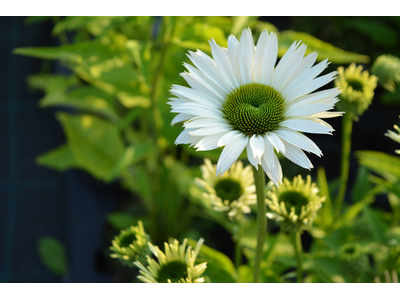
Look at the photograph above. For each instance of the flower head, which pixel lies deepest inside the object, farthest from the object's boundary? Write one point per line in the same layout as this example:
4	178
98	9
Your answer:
295	204
233	192
240	100
357	89
176	265
352	259
394	136
130	245
387	69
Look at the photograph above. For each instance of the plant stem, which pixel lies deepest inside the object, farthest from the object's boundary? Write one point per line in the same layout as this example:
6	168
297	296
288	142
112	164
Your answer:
238	254
345	160
259	182
298	249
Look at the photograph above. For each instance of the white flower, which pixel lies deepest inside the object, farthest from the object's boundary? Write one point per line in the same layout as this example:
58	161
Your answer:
239	100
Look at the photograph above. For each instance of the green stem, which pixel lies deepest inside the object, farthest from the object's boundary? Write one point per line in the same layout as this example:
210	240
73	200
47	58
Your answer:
238	254
298	249
345	160
259	182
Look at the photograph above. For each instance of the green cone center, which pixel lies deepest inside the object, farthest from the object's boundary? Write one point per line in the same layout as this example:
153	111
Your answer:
228	189
173	270
127	239
254	108
293	199
355	84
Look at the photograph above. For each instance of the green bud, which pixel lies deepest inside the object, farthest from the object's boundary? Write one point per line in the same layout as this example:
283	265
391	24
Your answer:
387	69
353	260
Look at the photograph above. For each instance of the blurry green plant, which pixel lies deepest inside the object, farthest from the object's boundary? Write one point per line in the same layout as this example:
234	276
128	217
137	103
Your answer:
114	113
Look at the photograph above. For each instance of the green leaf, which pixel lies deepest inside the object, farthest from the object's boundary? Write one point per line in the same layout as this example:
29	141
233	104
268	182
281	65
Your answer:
324	49
326	210
377	223
121	220
351	213
60	159
381	163
95	143
53	255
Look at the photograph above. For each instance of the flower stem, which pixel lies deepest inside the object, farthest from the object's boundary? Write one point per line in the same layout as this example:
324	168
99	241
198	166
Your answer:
238	254
259	182
298	249
345	160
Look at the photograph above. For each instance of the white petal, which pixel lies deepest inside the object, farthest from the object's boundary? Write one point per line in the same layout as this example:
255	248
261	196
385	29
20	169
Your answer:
270	56
198	122
211	130
307	109
182	137
222	61
306	126
298	139
209	142
297	156
181	117
195	95
259	55
275	174
310	86
305	77
233	54
231	153
228	138
276	142
255	161
246	52
204	80
208	66
257	145
269	153
328	114
276	73
196	109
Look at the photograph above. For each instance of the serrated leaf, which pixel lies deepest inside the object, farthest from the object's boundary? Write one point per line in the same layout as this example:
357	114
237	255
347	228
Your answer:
95	143
324	49
53	255
60	159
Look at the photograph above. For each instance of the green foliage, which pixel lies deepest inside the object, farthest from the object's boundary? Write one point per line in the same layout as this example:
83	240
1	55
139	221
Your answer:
53	255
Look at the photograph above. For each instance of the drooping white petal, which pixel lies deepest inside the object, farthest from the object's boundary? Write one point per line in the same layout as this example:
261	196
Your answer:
208	66
246	53
328	114
209	142
297	156
306	126
298	139
255	161
275	174
182	137
231	153
276	142
269	153
308	109
222	61
228	138
257	145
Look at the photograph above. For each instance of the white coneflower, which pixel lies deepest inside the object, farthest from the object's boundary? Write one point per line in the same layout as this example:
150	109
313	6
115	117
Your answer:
176	265
239	100
233	192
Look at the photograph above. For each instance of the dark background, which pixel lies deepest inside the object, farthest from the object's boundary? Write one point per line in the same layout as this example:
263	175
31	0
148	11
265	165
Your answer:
35	201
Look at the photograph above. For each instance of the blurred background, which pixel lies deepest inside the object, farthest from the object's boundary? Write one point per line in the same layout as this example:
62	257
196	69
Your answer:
41	198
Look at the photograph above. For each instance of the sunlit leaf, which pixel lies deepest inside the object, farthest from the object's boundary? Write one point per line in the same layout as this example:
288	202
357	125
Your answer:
326	210
324	49
95	143
379	162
